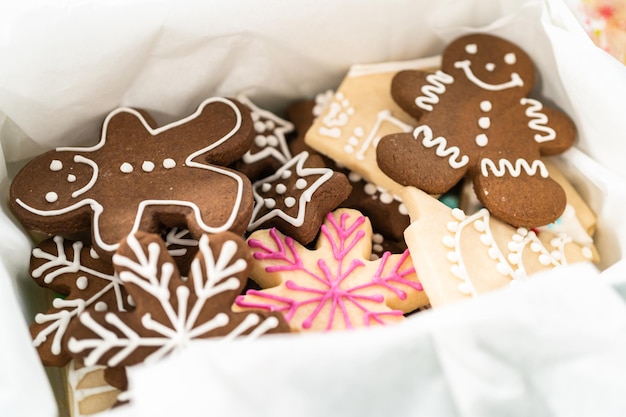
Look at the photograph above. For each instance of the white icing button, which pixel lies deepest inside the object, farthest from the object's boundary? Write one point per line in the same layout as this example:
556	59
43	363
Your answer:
482	140
101	306
272	141
56	165
147	166
386	198
510	58
259	126
126	168
301	184
270	203
81	283
369	188
490	66
93	254
286	174
353	177
270	125
484	122
485	105
471	48
71	178
281	188
290	201
266	186
51	197
169	163
260	141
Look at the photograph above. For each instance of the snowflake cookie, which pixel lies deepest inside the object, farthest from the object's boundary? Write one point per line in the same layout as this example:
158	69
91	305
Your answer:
171	310
460	256
475	118
143	177
334	286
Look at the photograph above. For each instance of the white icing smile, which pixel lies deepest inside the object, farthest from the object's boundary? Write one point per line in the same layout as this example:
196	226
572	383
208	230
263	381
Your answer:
515	81
79	159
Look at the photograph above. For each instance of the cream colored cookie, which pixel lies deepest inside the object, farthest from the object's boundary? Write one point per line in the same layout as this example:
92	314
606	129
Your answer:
360	113
458	256
88	392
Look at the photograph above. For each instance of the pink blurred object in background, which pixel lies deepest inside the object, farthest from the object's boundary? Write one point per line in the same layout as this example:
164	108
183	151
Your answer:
605	22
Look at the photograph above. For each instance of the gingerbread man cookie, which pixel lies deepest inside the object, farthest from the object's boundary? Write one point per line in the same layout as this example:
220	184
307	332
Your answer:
143	177
170	310
475	118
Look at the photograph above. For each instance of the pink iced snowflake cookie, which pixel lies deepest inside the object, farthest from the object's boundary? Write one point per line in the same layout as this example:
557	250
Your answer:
297	196
143	177
334	286
170	310
475	118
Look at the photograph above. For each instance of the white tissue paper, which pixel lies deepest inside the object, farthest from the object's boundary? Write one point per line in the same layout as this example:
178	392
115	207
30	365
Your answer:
555	346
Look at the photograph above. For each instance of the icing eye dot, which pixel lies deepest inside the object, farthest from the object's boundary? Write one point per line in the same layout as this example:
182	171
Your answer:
490	66
290	201
471	48
126	168
71	178
51	197
56	165
301	184
510	58
82	282
169	163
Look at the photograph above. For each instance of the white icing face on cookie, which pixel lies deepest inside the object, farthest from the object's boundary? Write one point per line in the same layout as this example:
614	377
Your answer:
504	67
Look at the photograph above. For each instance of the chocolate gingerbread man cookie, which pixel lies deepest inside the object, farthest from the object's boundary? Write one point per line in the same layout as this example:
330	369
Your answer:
475	118
143	177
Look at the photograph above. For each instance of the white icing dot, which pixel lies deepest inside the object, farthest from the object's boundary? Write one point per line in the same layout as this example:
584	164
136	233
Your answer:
56	165
169	163
522	231
456	271
544	259
510	58
339	95
354	177
502	268
517	238
126	168
358	131
301	184
348	149
369	188
465	289
51	197
260	141
147	166
556	242
255	116
513	258
458	214
452	226
101	306
452	257
281	188
377	238
270	203
490	66
377	248
479	225
353	141
403	210
130	300
386	198
535	247
71	178
82	282
93	254
556	255
286	174
482	140
513	247
272	141
290	202
587	253
471	48
493	253
484	122
448	241
259	126
485	105
270	125
266	186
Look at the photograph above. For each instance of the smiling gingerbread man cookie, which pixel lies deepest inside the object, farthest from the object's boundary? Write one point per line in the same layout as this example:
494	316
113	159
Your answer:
143	177
475	118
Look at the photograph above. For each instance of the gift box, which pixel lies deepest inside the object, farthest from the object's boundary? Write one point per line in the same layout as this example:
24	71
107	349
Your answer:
553	346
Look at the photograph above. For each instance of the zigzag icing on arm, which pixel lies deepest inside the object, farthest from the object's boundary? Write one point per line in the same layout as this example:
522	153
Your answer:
456	160
505	166
538	120
432	90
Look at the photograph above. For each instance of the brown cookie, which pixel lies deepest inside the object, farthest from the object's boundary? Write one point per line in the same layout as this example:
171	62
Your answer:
170	310
83	279
475	118
269	149
297	197
143	177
